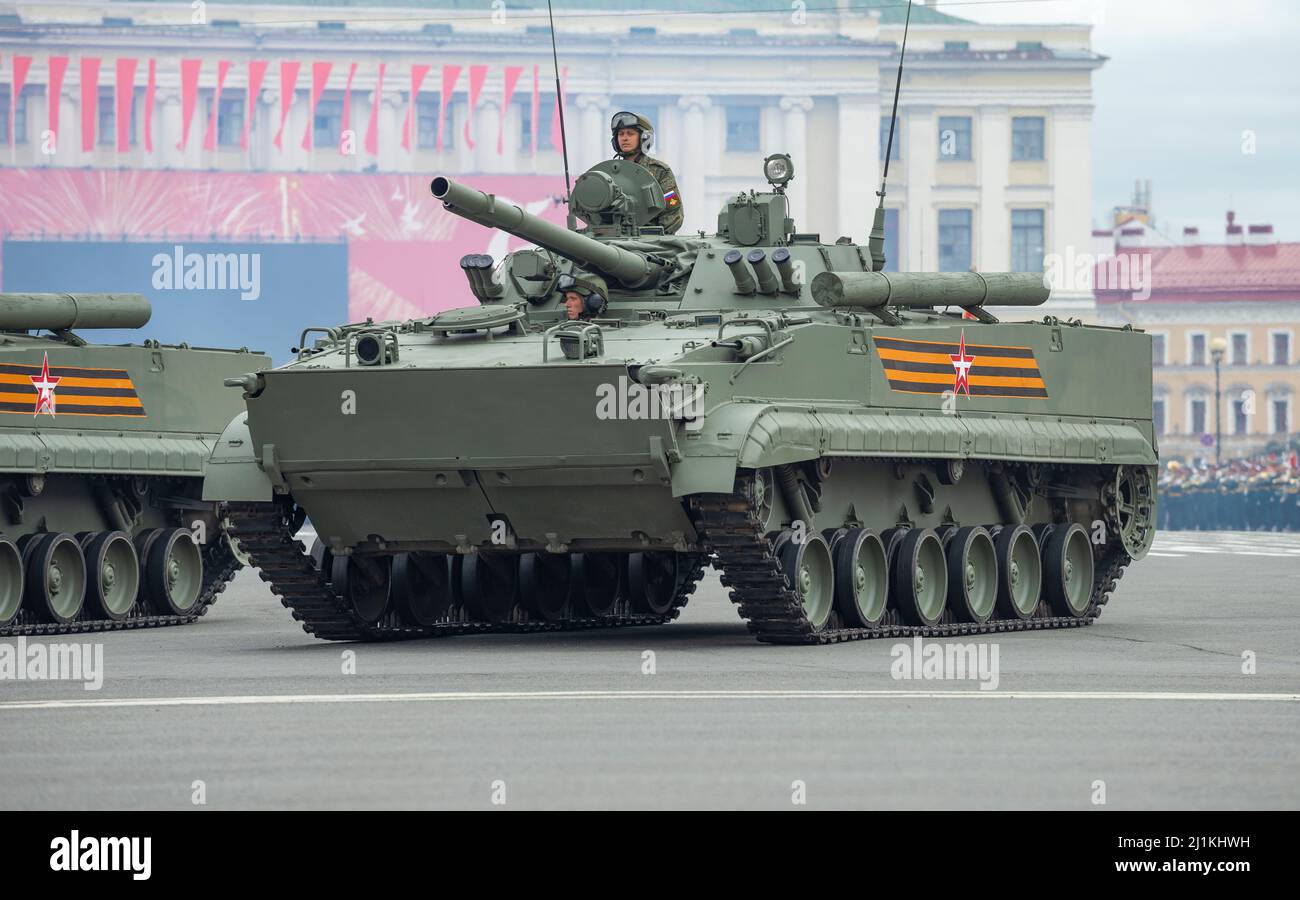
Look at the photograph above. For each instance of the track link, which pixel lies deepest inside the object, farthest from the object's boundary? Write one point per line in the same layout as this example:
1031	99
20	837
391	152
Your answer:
729	524
266	533
219	567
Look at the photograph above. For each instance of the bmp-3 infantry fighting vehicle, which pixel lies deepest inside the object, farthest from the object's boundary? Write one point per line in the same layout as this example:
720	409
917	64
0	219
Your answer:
860	453
103	451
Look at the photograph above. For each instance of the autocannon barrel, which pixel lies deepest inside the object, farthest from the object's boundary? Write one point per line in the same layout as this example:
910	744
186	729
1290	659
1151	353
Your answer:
24	312
630	268
912	289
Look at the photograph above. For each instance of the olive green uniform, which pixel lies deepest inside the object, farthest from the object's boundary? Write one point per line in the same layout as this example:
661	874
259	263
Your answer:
671	218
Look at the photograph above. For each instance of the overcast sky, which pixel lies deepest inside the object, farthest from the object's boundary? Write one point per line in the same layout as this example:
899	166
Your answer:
1184	80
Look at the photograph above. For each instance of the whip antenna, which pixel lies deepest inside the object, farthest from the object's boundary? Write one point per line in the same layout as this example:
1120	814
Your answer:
559	105
876	243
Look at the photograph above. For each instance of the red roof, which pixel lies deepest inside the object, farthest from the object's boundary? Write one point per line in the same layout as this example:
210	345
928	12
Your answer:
1241	272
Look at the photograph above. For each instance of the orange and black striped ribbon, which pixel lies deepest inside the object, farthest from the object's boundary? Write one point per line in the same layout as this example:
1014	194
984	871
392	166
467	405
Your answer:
80	392
925	367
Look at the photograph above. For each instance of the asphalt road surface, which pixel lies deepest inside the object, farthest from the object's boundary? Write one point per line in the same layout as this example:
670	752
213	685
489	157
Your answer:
1148	708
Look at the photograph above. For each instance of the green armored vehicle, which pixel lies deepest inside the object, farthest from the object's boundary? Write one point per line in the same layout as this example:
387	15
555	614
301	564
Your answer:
102	456
859	453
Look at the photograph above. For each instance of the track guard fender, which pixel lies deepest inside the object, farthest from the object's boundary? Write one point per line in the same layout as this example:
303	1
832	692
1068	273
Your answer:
744	435
234	473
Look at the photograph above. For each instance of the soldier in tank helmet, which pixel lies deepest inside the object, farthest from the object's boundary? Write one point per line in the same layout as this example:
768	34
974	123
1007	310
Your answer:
632	136
584	298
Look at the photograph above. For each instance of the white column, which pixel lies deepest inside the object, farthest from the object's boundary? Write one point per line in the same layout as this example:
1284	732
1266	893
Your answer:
169	130
691	170
992	219
920	150
796	111
66	145
592	138
858	178
389	132
486	119
1069	220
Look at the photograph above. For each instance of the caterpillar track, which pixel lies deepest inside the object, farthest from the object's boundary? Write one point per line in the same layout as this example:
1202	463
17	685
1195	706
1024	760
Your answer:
730	526
266	533
219	567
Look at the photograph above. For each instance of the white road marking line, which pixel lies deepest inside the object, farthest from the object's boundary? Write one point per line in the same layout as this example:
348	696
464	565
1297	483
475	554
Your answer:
462	696
1168	555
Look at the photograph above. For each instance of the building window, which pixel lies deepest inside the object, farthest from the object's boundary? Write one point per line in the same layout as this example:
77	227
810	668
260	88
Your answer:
954	240
1240	348
954	137
891	240
108	118
327	124
896	152
1281	348
1158	415
1027	137
742	129
1196	349
20	116
1157	349
1026	240
230	118
426	124
545	113
1281	407
1196	415
1239	420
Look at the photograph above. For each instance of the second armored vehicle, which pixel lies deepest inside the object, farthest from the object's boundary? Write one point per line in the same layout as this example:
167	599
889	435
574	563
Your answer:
103	451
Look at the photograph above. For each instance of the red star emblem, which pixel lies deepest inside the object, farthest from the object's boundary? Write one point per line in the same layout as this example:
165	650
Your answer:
45	383
961	363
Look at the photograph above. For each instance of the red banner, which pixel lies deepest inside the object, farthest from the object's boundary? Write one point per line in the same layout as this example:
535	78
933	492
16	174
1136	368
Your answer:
320	75
347	113
477	75
123	95
256	72
189	96
417	78
450	74
372	128
89	101
210	136
58	66
288	82
507	91
21	65
150	89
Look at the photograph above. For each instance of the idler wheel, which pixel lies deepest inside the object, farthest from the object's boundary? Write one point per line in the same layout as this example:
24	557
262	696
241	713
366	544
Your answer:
972	574
11	581
173	571
810	572
920	577
421	588
365	583
56	577
1068	570
1020	572
861	577
544	580
652	581
112	574
599	581
488	584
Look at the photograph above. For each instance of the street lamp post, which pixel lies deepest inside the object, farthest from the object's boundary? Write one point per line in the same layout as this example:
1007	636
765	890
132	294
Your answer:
1217	348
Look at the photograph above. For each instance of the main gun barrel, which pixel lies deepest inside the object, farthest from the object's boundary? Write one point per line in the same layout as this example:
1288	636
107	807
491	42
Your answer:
25	312
628	267
870	290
